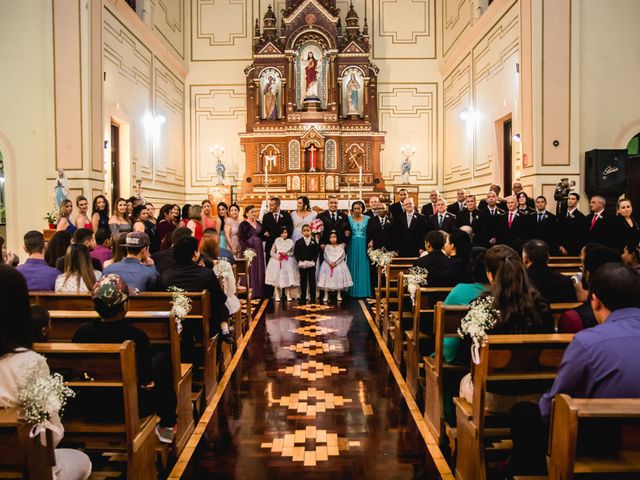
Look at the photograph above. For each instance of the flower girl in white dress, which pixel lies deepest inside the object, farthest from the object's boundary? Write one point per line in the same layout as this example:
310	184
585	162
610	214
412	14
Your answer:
334	273
282	270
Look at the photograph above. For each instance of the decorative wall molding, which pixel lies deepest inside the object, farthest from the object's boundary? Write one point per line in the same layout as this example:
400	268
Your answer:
456	19
457	154
168	22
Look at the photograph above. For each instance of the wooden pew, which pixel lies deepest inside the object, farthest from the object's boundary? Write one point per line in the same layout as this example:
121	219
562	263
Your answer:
401	320
112	372
389	298
381	289
151	302
243	288
20	455
567	267
505	360
557	309
161	330
420	338
554	260
438	372
617	452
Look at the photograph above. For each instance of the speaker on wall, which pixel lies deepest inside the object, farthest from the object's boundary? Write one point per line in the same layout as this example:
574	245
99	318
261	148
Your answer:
605	172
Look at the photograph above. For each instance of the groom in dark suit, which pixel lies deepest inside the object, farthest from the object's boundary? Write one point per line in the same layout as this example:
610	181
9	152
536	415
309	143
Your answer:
334	220
409	229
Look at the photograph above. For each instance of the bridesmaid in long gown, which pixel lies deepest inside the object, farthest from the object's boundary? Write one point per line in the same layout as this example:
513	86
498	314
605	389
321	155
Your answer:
231	224
250	236
357	259
222	214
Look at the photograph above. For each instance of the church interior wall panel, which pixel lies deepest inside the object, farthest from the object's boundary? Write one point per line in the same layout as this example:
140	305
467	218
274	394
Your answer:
168	20
456	19
218	113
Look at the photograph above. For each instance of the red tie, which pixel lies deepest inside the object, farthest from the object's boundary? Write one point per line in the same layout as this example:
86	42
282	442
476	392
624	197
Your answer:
510	219
593	222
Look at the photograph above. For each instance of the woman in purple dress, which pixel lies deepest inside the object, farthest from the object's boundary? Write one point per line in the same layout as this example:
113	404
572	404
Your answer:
250	236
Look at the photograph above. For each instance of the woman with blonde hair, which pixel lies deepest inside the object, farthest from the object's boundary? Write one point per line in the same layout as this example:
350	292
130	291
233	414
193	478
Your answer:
83	220
64	217
118	251
79	275
626	230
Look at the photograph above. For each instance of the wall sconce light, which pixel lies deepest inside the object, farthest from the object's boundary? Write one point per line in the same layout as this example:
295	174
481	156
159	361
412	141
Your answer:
152	123
516	138
408	150
217	151
468	114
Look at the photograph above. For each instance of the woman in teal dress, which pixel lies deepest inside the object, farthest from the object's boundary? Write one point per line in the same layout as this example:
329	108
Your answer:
223	208
357	259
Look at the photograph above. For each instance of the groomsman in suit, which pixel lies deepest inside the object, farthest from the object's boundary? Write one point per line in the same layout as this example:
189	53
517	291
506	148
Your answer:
469	216
396	209
457	206
572	227
543	225
374	202
512	225
502	204
272	223
409	230
599	223
441	220
334	220
379	235
490	220
429	209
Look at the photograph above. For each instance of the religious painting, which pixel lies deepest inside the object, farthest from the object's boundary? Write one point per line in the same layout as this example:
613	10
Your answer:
311	68
352	92
270	88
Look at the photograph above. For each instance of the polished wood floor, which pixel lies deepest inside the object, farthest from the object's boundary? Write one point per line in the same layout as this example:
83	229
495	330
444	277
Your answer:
312	397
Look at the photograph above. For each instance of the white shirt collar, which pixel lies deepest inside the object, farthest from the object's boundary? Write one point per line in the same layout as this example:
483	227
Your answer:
307	240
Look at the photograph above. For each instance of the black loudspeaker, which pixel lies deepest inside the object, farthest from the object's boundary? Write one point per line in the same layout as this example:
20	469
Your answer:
606	172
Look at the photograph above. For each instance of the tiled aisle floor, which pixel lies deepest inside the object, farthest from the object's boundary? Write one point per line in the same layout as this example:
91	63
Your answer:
312	398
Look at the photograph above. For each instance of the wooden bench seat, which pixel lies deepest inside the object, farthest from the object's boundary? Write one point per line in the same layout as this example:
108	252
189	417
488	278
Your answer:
618	449
113	370
389	293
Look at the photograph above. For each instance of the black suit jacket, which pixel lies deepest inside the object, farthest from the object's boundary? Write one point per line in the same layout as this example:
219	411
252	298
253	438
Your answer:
440	269
427	210
470	219
303	252
341	226
546	229
448	222
194	278
455	208
624	233
571	231
512	235
164	260
602	232
269	225
490	227
370	213
395	209
380	234
409	239
554	287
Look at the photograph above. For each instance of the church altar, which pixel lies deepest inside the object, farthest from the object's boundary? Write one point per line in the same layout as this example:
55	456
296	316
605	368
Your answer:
312	116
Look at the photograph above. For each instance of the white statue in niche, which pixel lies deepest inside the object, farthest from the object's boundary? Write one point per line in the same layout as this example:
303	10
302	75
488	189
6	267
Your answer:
352	92
353	89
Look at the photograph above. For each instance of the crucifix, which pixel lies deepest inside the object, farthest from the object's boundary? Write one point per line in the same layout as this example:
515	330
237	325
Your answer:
312	158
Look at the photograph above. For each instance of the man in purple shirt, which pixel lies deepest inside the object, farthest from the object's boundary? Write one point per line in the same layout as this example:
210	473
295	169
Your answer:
39	275
600	362
102	250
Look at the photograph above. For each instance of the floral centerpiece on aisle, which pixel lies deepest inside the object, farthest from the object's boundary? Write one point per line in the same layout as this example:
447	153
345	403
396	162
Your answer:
415	278
249	254
42	398
381	256
482	317
317	227
51	217
180	306
222	268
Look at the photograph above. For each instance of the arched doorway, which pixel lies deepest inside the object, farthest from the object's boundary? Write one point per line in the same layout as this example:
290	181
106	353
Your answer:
633	172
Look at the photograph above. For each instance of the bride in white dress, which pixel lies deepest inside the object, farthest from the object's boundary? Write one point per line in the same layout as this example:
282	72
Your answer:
302	216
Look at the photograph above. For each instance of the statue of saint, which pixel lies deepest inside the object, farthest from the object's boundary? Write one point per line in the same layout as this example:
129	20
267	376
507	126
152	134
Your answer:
270	92
406	171
353	89
61	191
311	77
220	171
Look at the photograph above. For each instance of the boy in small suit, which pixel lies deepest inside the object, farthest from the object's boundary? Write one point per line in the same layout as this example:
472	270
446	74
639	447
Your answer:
306	252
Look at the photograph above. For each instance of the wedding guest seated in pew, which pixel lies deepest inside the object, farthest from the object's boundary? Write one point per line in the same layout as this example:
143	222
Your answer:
40	323
191	277
39	275
457	247
631	256
554	287
164	259
156	393
583	317
82	236
436	262
16	357
137	268
102	251
600	362
210	245
79	275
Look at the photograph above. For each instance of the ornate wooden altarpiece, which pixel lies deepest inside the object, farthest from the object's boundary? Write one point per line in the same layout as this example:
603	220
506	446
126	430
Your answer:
312	114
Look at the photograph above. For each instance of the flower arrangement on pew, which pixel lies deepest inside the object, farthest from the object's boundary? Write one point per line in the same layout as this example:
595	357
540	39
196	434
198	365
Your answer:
381	256
222	268
415	278
180	306
249	254
482	316
42	398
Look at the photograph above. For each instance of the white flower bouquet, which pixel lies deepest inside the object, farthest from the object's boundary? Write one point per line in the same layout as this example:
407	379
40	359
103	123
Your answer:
249	254
180	306
42	398
415	278
482	317
381	256
223	268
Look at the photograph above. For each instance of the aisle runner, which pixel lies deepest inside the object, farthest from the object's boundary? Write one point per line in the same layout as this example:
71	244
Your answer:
312	444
